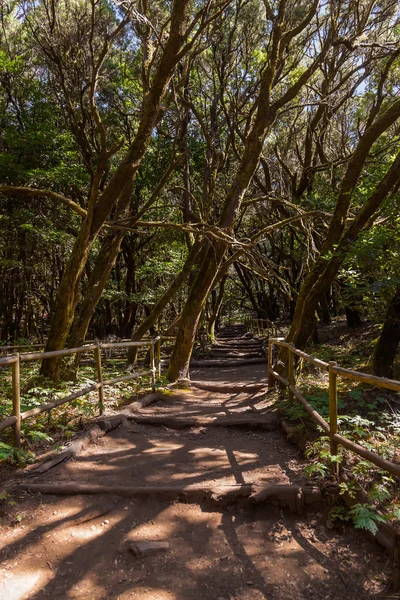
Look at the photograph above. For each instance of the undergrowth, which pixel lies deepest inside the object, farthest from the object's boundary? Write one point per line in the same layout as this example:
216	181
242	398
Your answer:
51	430
368	416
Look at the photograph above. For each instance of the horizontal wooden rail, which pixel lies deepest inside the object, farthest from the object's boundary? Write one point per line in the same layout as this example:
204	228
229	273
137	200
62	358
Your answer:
279	378
390	384
309	358
8	360
331	427
153	344
55	353
372	457
127	377
125	344
315	414
9	422
50	405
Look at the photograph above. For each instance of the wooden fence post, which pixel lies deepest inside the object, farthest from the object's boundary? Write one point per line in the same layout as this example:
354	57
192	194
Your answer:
16	400
333	407
159	357
97	355
396	565
152	367
271	379
290	370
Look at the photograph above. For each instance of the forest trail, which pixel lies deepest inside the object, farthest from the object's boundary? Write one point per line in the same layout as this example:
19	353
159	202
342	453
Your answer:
77	546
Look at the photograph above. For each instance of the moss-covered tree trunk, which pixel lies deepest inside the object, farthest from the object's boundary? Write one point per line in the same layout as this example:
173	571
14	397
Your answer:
389	339
322	275
67	300
99	277
266	111
101	202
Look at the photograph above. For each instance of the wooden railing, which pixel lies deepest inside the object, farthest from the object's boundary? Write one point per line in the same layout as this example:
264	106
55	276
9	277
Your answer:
14	361
334	371
7	349
261	327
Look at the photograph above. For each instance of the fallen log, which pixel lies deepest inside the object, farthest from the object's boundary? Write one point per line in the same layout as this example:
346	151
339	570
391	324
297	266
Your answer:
237	344
235	355
171	492
101	427
139	404
228	388
173	422
296	496
284	495
227	364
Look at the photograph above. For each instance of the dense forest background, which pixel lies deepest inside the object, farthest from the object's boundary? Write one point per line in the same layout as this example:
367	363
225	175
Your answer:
164	165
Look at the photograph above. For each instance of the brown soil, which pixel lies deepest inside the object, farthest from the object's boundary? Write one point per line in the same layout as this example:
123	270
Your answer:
77	547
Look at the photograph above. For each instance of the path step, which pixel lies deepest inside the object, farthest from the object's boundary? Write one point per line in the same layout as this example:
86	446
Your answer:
227	363
286	495
268	422
228	388
219	355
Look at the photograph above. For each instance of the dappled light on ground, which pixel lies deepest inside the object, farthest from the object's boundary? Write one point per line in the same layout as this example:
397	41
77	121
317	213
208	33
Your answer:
77	547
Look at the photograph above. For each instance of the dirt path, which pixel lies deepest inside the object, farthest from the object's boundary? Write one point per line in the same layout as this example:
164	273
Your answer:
77	547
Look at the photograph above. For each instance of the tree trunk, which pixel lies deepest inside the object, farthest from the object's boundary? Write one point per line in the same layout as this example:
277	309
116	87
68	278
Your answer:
389	340
179	364
352	317
100	275
216	309
67	300
101	203
325	311
266	111
324	271
158	308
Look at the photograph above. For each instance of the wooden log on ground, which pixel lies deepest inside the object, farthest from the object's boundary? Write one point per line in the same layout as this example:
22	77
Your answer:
201	364
237	346
233	355
269	423
101	427
195	492
284	495
295	496
211	386
139	404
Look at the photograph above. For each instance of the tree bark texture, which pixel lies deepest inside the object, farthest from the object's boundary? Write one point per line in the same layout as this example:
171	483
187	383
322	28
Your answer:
100	206
389	340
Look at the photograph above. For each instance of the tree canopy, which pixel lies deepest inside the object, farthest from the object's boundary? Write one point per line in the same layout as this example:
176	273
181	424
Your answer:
167	163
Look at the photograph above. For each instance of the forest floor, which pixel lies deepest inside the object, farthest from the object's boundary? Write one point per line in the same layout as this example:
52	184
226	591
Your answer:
77	547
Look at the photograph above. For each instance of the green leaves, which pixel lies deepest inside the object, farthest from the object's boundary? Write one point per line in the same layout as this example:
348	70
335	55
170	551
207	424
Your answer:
39	436
365	517
6	451
317	468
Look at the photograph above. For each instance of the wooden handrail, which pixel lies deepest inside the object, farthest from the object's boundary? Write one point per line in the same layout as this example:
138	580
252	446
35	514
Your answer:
154	344
331	427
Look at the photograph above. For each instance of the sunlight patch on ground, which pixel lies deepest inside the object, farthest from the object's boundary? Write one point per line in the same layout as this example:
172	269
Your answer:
22	586
207	452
